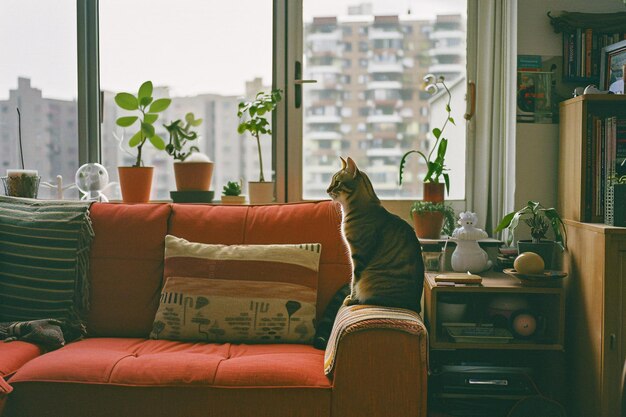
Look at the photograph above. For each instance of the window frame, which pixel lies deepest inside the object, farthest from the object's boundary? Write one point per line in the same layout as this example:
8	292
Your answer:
287	123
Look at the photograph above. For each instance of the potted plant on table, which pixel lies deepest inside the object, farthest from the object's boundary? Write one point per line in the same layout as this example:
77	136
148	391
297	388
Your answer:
429	219
540	219
21	182
136	181
254	121
231	193
192	170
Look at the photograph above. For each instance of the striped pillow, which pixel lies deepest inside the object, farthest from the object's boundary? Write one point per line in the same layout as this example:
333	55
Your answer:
272	288
44	259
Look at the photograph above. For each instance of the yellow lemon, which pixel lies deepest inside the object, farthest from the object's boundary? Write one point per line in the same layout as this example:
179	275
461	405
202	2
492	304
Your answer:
529	263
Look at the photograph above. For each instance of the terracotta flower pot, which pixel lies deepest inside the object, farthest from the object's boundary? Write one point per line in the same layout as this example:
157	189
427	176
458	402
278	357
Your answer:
135	183
261	192
434	191
428	225
193	176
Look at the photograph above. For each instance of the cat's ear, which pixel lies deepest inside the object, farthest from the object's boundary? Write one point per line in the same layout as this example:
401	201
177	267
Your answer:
343	163
352	169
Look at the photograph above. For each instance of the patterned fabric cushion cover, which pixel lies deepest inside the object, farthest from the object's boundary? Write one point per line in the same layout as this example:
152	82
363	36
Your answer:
238	293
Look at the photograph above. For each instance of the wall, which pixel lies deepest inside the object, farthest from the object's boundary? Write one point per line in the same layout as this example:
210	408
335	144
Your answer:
537	144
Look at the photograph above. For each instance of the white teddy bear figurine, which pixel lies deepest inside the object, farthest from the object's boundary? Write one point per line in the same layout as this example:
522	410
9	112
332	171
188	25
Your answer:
468	255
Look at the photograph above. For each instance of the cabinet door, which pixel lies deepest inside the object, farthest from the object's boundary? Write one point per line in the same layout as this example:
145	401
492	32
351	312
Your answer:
615	331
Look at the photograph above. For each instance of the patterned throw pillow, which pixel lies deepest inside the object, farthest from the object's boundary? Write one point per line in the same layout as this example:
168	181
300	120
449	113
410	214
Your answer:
238	293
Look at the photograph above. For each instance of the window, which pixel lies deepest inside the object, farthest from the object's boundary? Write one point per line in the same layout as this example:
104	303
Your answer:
392	114
38	76
193	60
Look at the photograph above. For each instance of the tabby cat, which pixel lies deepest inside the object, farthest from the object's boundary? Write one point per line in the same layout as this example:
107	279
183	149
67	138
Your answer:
386	256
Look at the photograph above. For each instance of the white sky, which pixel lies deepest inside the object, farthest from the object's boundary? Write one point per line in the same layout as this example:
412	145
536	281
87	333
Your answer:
193	46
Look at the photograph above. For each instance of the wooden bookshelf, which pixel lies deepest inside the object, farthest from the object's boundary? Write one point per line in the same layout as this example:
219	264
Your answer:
576	169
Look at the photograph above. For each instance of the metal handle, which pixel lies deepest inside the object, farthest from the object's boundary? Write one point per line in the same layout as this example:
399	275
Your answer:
612	339
502	382
471	98
298	82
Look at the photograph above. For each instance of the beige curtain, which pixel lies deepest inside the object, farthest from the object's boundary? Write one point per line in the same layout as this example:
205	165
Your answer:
492	59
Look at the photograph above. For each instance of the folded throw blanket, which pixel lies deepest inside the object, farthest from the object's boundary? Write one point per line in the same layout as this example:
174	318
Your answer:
44	259
356	318
47	333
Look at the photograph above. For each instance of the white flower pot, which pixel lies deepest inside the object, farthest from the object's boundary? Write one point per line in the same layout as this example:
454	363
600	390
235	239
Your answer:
261	192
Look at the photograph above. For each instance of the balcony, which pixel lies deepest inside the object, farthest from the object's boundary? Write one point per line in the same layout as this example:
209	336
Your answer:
447	34
384	153
322	119
323	69
447	69
384	118
384	85
321	135
386	67
385	34
458	50
335	35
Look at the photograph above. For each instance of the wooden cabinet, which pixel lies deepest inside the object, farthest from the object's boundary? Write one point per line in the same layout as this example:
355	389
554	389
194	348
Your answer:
596	317
595	341
547	303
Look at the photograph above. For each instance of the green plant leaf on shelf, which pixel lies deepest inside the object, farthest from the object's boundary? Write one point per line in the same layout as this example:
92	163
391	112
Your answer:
157	141
126	101
150	118
126	121
159	105
145	101
135	139
147	129
145	90
437	132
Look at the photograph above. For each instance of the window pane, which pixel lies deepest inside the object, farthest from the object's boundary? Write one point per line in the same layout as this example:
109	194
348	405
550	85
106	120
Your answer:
369	102
38	76
205	55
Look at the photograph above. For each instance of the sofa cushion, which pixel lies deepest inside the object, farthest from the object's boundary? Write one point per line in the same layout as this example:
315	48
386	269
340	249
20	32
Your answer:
141	362
221	310
281	224
126	267
15	354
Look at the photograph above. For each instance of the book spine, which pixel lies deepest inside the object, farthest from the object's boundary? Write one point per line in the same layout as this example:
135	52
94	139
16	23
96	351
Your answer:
577	52
588	49
588	158
581	54
620	146
571	64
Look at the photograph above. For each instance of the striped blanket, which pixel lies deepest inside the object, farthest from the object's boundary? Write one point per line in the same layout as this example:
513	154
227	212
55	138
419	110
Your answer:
356	318
44	259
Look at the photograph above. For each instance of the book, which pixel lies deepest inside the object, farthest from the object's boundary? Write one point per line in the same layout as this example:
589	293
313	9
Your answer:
588	50
459	278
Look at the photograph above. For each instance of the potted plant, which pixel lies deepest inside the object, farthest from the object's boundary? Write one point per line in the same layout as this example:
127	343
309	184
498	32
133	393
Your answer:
21	182
435	161
540	219
430	219
192	169
231	193
136	181
254	121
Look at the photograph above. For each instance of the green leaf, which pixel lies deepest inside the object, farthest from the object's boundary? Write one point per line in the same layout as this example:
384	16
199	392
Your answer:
126	101
446	179
145	101
135	139
126	121
189	118
441	151
451	120
437	132
145	90
403	161
160	105
448	108
196	122
157	141
147	129
506	221
150	118
241	128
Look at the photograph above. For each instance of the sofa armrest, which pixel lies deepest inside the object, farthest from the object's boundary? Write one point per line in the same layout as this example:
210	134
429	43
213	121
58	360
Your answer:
5	389
378	359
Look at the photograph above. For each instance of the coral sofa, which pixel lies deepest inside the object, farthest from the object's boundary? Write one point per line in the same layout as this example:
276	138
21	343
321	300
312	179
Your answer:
118	371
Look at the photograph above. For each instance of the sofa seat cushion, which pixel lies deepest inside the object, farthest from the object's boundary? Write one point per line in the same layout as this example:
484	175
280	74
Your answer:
140	362
14	355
